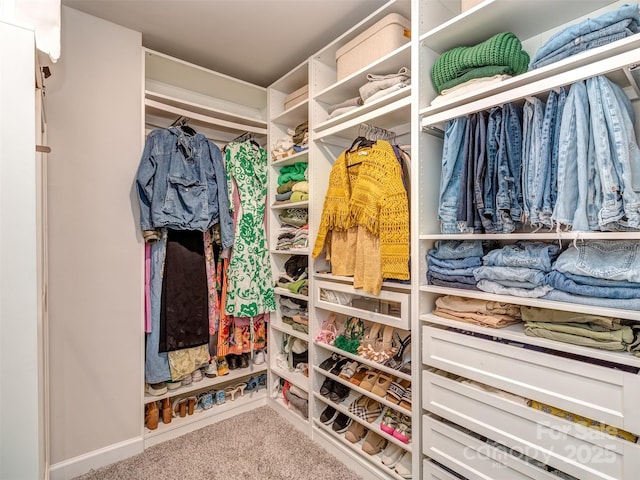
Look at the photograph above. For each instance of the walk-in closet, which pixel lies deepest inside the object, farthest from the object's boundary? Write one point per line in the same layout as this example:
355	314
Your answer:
417	242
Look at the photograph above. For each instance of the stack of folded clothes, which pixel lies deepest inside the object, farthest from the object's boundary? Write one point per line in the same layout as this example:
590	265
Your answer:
344	106
596	331
294	230
296	140
588	34
295	313
477	312
292	184
494	58
294	277
518	269
452	263
379	86
598	272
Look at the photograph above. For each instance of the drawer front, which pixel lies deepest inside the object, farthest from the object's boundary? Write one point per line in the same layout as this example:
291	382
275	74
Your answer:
575	449
431	471
473	458
596	392
388	308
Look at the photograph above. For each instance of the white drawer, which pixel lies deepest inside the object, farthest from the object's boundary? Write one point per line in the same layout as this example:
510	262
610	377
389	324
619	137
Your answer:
431	471
473	458
389	307
599	393
575	449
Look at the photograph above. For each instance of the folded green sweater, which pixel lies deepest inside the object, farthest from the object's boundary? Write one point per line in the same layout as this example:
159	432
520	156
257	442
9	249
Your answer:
293	172
503	49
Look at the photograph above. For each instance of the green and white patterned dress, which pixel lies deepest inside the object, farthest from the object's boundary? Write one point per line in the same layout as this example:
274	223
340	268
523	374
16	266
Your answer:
249	279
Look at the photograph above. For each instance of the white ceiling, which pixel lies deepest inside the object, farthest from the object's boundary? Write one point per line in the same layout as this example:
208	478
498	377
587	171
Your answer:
254	40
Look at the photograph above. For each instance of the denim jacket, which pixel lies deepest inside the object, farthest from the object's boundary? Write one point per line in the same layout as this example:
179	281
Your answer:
181	184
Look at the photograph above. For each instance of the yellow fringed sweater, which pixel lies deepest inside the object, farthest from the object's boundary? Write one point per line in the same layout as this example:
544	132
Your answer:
376	200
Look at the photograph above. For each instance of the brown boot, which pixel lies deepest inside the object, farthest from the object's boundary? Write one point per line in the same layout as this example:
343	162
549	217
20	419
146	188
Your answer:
151	416
166	410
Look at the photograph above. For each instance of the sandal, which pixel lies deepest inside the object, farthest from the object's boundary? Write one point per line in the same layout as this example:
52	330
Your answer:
179	407
262	381
396	391
355	432
372	411
348	370
402	431
359	375
382	384
389	422
330	362
326	387
373	443
406	398
339	392
328	331
369	380
205	401
398	360
252	384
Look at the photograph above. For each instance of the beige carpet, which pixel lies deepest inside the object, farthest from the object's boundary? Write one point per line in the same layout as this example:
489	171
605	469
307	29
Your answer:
257	445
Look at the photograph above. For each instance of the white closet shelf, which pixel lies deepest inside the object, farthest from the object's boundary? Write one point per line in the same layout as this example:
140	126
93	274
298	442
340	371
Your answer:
297	378
387	112
405	287
293	116
524	19
290	160
616	60
201	418
534	302
235	374
363	361
291	251
155	105
284	206
375	460
286	328
349	86
516	333
541	235
288	293
194	78
343	407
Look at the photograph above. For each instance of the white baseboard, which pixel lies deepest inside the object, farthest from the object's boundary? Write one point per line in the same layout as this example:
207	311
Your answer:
81	464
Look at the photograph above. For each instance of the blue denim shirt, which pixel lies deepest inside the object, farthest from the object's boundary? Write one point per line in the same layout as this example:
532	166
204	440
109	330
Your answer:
182	184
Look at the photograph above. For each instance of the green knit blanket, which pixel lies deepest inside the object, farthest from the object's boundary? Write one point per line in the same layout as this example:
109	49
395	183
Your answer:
503	49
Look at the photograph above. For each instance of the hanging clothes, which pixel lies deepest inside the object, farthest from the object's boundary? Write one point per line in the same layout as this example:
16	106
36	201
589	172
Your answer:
250	284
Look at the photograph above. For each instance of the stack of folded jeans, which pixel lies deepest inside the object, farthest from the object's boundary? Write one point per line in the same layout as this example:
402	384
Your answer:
588	34
518	269
596	331
599	273
452	263
477	312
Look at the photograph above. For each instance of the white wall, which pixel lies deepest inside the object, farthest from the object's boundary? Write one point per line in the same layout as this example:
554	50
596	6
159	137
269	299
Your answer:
20	407
94	115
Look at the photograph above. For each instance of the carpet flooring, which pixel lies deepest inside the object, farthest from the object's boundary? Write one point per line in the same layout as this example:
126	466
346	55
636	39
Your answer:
257	445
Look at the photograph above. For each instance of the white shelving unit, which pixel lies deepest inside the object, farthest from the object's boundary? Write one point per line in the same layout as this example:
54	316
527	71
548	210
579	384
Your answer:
221	108
473	432
283	119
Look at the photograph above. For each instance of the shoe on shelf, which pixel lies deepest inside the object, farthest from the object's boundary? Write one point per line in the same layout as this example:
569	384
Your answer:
355	432
196	375
212	370
232	361
373	443
392	454
397	390
156	389
259	357
328	415
348	370
243	360
382	384
341	423
327	387
171	385
330	362
403	429
369	380
339	392
152	414
359	375
166	410
223	366
179	407
389	422
403	467
191	404
187	380
205	401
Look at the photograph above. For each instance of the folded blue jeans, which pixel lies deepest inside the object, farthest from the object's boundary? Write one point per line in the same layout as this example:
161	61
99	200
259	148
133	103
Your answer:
524	253
494	287
605	259
517	274
432	260
470	279
562	296
560	282
452	249
450	284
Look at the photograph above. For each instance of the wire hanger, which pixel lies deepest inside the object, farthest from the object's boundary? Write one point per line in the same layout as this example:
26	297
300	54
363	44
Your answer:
182	123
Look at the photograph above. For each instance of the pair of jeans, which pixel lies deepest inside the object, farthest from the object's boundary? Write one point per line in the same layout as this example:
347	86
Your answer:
156	362
524	253
509	169
617	156
566	297
451	176
474	142
456	249
575	34
512	274
541	132
490	286
573	153
490	183
482	175
454	277
432	260
605	259
449	284
468	271
560	282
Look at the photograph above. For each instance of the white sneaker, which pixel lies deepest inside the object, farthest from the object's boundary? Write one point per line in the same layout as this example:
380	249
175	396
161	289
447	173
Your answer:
259	357
403	467
212	370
